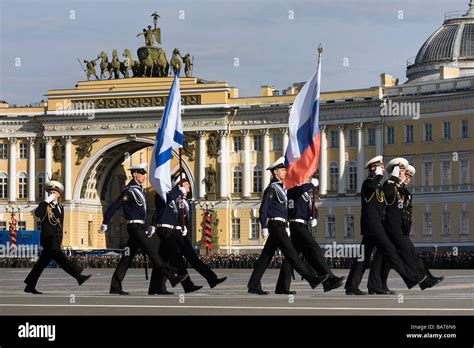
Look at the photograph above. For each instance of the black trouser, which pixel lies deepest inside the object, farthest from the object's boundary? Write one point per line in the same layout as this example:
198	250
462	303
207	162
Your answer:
187	250
380	240
43	261
304	243
137	239
278	238
170	252
381	267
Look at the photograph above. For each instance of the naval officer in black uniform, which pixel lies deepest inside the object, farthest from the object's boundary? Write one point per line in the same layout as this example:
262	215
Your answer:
133	202
274	221
372	229
300	210
398	221
51	214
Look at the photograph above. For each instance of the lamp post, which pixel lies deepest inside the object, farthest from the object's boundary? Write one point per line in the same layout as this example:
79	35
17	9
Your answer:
13	211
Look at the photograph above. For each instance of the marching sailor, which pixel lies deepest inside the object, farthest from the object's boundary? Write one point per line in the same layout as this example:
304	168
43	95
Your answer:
51	214
274	221
300	209
133	202
373	232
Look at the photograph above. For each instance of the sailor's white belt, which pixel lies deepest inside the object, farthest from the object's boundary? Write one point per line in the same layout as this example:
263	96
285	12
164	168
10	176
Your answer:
171	227
277	219
301	221
136	222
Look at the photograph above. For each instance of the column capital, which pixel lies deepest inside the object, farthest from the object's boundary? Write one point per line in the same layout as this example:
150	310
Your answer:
201	134
223	133
322	128
284	130
47	139
31	140
376	124
340	127
68	138
12	140
265	131
359	125
245	132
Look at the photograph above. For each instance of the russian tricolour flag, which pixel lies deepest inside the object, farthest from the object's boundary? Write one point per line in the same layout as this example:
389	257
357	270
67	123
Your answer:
170	134
302	153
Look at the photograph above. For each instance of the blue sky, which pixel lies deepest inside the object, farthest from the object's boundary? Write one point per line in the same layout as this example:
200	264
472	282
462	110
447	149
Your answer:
272	48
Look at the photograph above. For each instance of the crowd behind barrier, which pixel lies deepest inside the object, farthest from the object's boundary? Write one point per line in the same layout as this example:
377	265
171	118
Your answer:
445	260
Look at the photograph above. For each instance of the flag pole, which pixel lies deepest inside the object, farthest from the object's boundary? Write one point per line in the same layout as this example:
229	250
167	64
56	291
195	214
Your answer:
181	185
313	207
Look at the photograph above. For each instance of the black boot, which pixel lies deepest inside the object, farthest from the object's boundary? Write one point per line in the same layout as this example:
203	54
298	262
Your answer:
213	283
189	286
31	290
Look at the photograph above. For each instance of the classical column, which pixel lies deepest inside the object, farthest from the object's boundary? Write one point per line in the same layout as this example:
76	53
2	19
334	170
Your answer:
31	170
223	181
12	182
201	163
48	158
360	155
284	131
266	156
247	171
342	161
323	169
378	138
67	169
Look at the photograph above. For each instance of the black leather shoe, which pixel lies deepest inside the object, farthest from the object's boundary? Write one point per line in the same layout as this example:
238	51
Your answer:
315	281
163	292
175	280
258	292
419	281
83	278
355	292
390	292
285	292
192	288
118	292
32	290
216	282
378	292
430	282
333	283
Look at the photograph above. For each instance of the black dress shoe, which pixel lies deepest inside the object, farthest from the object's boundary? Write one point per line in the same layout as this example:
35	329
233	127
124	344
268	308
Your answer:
333	283
315	281
83	278
175	280
378	292
217	281
162	292
118	292
390	292
32	290
355	292
258	291
285	292
430	282
192	288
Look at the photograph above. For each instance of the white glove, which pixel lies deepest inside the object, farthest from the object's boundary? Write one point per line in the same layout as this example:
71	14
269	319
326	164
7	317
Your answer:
49	199
265	233
184	231
287	229
103	228
378	171
315	182
183	191
151	231
314	222
396	171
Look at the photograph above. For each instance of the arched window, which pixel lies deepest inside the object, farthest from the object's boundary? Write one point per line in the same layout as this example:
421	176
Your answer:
22	185
352	178
334	172
237	178
257	179
41	183
3	185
